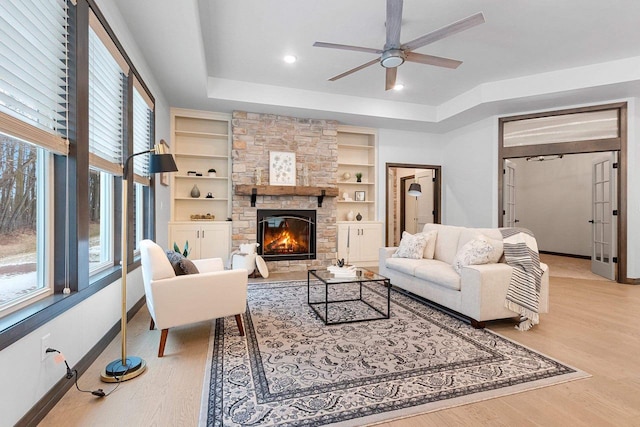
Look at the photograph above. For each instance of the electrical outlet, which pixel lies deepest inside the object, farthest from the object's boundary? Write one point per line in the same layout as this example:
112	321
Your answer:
44	345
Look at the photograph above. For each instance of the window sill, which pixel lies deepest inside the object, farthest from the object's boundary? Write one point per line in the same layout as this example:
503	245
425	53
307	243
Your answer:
21	323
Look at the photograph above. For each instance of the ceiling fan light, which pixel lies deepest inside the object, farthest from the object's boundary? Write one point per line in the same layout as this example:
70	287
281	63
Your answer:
392	58
290	59
398	87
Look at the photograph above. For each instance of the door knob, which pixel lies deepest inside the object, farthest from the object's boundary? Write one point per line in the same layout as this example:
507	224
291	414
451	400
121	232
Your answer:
591	221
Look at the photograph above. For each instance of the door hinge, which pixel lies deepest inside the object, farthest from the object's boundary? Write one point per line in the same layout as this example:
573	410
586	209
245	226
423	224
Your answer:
504	212
615	165
433	179
504	171
615	259
615	211
433	213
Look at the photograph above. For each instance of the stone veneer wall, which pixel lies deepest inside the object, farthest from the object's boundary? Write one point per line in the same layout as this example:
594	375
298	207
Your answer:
315	143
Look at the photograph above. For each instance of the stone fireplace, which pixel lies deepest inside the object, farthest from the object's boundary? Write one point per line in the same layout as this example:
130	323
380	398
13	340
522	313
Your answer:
286	234
315	143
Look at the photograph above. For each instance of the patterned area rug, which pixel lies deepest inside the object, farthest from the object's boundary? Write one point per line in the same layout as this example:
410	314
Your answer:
292	370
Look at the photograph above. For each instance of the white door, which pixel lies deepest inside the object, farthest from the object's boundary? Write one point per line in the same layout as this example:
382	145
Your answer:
509	194
425	203
604	223
410	212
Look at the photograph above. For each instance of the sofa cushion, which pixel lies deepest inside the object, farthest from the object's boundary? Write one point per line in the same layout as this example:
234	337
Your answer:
430	248
474	252
180	264
411	246
440	273
404	265
446	242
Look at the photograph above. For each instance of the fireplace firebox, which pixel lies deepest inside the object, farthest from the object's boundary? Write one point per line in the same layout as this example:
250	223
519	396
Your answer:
286	234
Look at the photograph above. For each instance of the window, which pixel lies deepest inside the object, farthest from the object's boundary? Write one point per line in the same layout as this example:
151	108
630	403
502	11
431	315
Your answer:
142	141
33	122
106	139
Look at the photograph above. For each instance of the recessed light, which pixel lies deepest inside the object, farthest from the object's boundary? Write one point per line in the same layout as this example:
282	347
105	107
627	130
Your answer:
290	59
399	86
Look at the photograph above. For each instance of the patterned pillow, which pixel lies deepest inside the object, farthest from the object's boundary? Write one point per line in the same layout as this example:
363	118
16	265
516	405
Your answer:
411	246
474	252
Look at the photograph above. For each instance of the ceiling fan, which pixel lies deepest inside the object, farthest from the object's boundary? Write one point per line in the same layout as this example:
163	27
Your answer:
395	53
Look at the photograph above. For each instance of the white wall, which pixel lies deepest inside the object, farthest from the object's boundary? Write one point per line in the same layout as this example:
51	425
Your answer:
469	175
396	146
633	184
553	200
25	377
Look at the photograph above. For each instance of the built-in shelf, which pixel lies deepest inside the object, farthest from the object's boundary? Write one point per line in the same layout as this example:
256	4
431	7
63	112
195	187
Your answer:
356	201
201	156
285	190
203	199
222	178
202	134
364	165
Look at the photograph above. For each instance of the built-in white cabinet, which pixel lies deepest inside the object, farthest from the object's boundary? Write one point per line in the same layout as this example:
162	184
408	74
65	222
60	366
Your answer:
358	242
206	240
356	155
201	188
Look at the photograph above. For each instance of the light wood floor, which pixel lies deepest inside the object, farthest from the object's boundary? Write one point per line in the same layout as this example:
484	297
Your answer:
593	324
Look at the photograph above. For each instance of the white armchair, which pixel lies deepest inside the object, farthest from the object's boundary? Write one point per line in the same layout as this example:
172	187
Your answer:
180	300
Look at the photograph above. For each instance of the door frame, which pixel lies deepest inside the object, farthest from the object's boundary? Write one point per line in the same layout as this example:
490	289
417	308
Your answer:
437	191
618	144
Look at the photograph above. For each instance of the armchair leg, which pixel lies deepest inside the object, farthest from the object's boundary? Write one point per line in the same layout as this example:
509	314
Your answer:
239	323
152	326
163	341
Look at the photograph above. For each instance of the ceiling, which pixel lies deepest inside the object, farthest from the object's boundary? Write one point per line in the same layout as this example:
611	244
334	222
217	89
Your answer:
223	55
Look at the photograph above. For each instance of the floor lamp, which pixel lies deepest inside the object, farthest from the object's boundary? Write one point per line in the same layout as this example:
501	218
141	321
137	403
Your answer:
128	367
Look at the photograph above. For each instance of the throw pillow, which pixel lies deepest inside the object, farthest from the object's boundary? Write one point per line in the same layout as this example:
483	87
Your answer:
188	267
474	252
174	258
498	248
180	264
411	246
430	247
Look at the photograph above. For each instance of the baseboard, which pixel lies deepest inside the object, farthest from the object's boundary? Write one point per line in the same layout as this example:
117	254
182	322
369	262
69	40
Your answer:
563	254
53	396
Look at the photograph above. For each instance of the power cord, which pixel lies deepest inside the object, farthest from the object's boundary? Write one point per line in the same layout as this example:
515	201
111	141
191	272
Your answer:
73	373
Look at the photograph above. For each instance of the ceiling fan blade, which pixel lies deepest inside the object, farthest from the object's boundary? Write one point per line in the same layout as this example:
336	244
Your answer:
391	78
446	31
353	70
394	22
347	47
432	60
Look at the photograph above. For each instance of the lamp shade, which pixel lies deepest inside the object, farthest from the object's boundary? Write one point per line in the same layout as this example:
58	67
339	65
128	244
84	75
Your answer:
415	189
162	163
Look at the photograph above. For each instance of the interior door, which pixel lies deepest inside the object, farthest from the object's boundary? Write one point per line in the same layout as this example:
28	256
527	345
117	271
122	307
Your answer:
425	203
509	194
604	223
410	211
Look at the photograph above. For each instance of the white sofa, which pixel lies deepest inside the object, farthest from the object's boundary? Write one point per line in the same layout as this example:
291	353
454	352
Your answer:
478	293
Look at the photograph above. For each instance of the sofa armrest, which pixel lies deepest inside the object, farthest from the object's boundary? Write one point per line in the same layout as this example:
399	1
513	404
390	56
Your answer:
208	265
385	253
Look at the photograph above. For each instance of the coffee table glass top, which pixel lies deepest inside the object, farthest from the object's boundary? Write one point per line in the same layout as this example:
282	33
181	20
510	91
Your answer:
362	275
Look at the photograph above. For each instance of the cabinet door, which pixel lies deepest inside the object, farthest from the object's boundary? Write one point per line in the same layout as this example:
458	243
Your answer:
182	233
369	241
343	236
215	240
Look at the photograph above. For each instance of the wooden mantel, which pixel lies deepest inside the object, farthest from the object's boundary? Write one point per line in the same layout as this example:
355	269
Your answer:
285	190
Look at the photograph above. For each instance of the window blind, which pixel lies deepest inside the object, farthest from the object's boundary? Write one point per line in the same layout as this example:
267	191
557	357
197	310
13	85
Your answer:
141	137
33	71
106	107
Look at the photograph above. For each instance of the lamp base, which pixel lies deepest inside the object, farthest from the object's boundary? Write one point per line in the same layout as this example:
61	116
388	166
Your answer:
117	371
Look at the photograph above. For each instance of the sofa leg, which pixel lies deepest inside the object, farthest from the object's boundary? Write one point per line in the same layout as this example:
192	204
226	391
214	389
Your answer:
478	325
152	326
239	323
163	341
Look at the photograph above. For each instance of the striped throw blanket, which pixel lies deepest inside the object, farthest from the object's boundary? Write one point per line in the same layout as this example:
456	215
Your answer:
523	296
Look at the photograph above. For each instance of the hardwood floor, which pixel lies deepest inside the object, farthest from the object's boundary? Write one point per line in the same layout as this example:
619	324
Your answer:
593	325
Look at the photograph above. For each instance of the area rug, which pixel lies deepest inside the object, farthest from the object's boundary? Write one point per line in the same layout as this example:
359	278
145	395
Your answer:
292	370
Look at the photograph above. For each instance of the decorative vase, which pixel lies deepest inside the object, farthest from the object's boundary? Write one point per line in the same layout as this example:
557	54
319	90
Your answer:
350	216
346	176
195	191
359	217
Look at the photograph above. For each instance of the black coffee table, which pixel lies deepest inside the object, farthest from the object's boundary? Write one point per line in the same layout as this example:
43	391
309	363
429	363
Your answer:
337	300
